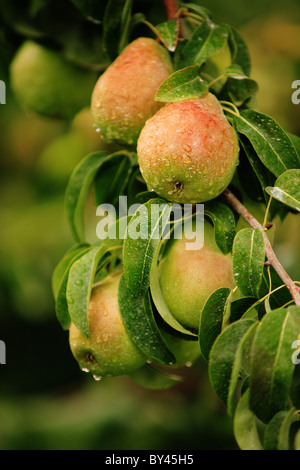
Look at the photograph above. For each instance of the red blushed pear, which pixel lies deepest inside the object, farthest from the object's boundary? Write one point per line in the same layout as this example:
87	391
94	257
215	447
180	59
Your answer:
189	277
124	95
188	151
109	350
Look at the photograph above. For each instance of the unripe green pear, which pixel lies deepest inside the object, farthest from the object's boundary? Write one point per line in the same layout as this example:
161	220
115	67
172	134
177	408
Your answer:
215	66
123	97
109	350
43	82
188	151
189	277
186	352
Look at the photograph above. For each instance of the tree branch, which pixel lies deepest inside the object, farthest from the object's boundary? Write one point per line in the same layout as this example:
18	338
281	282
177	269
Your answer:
272	258
171	8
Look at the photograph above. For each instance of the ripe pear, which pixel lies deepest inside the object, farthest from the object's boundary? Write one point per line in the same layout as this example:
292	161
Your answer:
123	97
109	350
189	277
46	84
188	151
215	66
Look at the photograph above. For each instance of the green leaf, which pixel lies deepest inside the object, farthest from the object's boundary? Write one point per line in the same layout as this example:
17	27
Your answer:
281	296
224	224
206	40
297	441
87	171
295	141
90	8
245	426
116	23
154	379
272	367
239	50
136	186
168	33
225	360
248	256
271	143
141	326
241	360
287	189
240	306
211	319
235	71
79	287
140	246
185	84
239	91
77	190
277	434
295	387
62	266
261	173
61	304
111	180
203	12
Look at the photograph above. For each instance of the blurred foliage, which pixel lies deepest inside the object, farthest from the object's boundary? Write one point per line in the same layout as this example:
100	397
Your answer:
46	402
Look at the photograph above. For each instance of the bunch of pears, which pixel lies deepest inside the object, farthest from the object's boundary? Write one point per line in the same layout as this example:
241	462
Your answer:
187	153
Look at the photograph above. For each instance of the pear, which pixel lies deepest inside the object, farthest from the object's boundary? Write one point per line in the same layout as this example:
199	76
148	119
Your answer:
188	151
189	277
109	350
45	83
186	352
124	95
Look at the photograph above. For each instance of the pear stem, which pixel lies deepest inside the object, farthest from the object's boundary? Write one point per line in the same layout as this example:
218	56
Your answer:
272	258
171	8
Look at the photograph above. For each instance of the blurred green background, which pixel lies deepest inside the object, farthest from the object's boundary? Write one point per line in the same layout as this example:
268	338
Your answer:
46	402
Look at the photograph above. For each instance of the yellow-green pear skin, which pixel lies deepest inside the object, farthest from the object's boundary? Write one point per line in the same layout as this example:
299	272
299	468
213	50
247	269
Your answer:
188	151
186	352
189	277
46	84
124	95
109	350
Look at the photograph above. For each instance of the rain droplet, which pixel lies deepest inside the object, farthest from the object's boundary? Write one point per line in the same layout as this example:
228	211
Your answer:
187	148
188	364
85	369
97	377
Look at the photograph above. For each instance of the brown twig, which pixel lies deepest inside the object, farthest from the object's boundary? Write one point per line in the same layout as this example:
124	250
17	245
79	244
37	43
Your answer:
272	258
171	8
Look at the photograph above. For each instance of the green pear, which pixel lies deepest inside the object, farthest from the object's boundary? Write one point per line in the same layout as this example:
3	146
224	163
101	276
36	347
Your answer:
124	95
48	85
109	350
189	277
215	66
188	151
186	352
